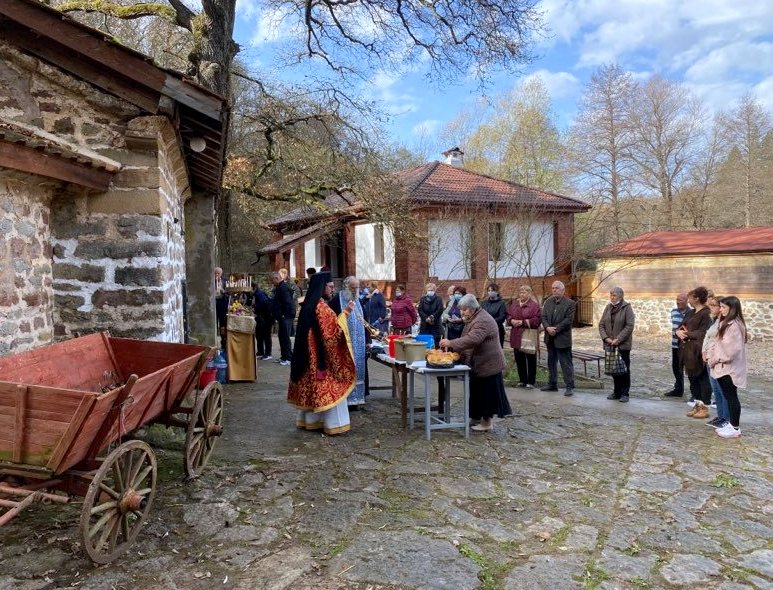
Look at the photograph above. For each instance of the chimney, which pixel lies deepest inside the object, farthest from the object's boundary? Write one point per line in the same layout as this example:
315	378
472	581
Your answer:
454	157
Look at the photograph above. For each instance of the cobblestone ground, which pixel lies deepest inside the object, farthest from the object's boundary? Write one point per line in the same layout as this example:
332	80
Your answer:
568	493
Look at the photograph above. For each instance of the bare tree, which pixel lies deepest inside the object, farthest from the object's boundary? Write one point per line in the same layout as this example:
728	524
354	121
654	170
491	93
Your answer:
601	139
514	138
664	119
747	128
702	177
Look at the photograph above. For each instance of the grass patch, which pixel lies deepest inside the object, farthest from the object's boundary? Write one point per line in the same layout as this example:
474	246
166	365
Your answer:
640	583
338	547
511	373
560	536
490	574
632	550
593	576
725	480
738	573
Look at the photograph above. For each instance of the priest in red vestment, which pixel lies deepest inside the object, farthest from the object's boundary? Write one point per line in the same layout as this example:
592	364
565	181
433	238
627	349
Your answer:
322	373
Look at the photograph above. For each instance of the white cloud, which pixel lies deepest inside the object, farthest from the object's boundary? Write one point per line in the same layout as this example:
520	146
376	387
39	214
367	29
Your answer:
558	84
427	128
387	88
273	25
732	59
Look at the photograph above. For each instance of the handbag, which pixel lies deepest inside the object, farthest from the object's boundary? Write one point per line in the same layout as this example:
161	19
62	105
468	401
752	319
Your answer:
613	362
529	340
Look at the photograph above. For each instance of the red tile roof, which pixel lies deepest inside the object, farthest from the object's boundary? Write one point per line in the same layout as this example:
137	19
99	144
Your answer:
439	183
715	241
333	205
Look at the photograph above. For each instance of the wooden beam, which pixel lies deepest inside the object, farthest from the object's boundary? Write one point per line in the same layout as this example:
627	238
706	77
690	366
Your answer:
75	63
20	157
53	25
20	423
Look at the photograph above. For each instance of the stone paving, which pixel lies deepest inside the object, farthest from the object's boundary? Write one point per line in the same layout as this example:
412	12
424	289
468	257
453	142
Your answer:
568	493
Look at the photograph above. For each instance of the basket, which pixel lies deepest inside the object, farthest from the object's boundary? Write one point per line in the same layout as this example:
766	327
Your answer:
240	323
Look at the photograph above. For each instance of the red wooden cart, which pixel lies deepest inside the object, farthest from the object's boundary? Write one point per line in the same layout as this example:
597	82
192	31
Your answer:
63	406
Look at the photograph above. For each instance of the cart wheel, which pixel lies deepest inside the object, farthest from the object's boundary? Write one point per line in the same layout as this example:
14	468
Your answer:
204	426
118	501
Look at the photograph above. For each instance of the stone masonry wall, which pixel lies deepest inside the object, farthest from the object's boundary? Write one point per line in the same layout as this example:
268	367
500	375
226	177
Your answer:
25	263
36	93
119	256
653	315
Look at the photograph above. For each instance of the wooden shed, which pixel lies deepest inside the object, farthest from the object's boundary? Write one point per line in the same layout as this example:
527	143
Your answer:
653	267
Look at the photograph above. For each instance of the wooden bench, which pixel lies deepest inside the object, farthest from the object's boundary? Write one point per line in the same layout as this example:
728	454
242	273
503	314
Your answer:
589	356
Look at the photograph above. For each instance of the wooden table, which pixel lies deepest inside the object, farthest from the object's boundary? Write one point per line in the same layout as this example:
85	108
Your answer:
443	420
399	382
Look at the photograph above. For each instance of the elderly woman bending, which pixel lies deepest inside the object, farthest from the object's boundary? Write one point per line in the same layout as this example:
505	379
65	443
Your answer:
480	349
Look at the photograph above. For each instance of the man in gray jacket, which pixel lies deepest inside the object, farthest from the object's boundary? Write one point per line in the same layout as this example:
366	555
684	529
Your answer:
557	318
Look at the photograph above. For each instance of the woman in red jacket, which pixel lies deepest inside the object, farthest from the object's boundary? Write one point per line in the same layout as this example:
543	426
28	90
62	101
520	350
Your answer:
403	312
524	313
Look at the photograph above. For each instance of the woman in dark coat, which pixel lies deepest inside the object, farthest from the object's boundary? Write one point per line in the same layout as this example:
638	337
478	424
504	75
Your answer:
690	334
496	308
616	329
430	310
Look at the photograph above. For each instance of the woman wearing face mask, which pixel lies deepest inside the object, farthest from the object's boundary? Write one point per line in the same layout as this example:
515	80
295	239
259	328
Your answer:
403	312
482	352
452	316
616	329
496	308
430	312
524	313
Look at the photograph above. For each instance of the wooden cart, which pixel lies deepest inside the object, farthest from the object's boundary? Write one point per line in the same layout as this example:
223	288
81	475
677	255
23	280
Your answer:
62	407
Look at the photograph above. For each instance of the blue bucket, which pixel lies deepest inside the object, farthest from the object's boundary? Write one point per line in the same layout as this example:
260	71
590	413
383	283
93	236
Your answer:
427	339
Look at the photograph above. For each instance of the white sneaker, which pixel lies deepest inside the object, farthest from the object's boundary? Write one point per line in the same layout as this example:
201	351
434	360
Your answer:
267	357
713	405
728	431
284	363
529	386
691	403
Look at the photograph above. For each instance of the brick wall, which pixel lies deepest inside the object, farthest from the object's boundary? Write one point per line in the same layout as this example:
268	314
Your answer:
411	261
25	263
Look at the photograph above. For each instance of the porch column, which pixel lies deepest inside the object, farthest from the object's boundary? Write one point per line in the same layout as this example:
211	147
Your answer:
200	268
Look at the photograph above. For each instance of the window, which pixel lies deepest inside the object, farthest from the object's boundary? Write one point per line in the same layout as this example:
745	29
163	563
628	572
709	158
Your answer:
496	237
449	250
378	244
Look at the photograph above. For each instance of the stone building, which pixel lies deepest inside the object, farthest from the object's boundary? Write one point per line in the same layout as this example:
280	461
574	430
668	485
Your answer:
653	267
108	165
470	229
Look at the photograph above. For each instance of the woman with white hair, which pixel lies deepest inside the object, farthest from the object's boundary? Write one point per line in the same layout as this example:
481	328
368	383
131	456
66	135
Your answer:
480	349
616	329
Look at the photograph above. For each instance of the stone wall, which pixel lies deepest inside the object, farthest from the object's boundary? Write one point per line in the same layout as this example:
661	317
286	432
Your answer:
651	285
36	93
26	298
113	260
119	257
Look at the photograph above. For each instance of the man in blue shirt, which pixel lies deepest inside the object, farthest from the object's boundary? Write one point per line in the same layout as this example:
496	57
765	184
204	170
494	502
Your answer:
677	315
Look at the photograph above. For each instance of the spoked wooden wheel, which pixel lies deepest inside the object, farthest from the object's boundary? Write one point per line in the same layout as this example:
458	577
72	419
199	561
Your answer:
118	501
204	427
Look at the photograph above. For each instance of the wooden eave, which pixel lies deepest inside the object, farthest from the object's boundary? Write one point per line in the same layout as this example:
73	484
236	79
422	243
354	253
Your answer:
18	156
92	56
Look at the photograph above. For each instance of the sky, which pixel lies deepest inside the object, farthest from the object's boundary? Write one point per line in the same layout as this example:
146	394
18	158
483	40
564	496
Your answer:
720	50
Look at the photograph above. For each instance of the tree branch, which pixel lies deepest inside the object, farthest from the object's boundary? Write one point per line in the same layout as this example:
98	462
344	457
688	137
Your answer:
130	12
